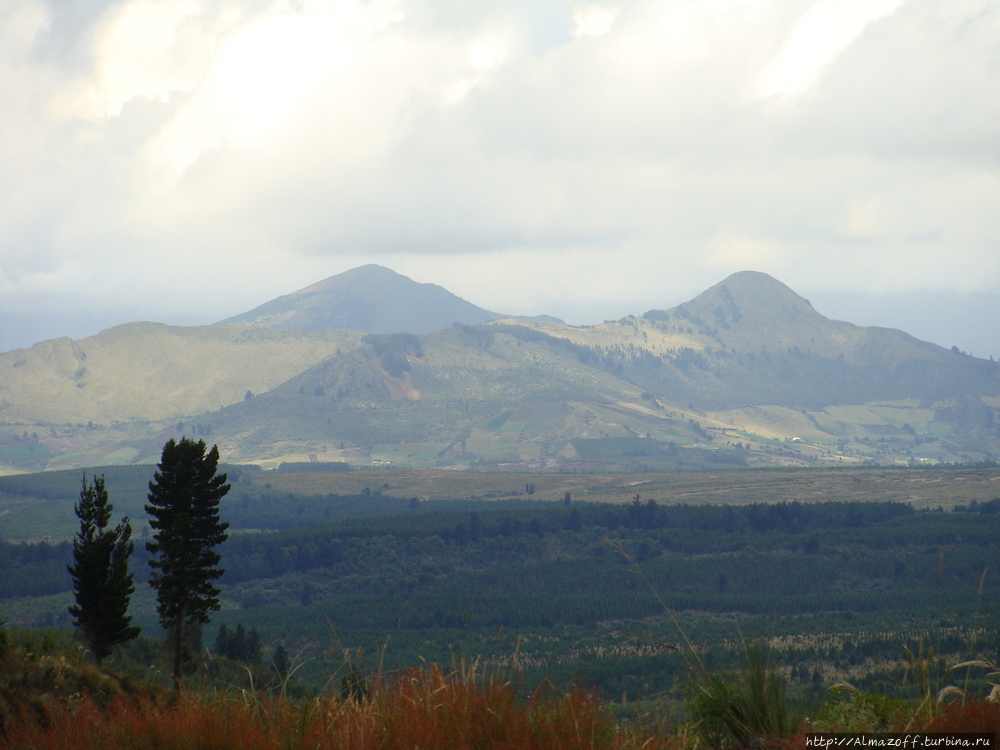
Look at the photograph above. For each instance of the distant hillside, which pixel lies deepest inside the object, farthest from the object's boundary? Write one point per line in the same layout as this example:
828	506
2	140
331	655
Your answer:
152	371
752	312
496	392
751	340
747	360
370	299
745	373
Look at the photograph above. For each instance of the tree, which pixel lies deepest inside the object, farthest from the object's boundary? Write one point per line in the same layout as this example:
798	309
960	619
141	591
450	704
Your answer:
184	508
280	662
102	583
239	645
5	644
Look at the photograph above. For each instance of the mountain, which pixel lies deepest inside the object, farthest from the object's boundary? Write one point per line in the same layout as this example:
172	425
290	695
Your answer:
747	360
745	373
369	299
752	340
752	312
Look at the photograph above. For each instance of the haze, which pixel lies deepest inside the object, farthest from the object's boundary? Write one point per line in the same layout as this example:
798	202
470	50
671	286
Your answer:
184	161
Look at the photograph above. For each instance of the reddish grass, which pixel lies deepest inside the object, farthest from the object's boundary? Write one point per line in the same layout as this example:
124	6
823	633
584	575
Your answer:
977	716
422	709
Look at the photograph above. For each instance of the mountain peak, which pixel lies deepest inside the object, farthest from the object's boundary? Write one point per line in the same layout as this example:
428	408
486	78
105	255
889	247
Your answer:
369	299
756	288
748	310
751	293
369	276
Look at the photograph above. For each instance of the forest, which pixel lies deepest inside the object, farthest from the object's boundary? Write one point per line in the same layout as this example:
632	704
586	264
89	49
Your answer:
665	623
594	594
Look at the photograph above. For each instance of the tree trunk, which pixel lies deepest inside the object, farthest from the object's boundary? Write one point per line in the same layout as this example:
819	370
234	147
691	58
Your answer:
178	650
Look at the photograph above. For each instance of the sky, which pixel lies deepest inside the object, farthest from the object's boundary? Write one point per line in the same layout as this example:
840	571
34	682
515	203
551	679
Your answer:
186	160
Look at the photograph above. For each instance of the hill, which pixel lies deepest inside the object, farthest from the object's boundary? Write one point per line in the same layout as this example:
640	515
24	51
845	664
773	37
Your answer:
750	340
745	373
768	372
151	371
370	299
501	393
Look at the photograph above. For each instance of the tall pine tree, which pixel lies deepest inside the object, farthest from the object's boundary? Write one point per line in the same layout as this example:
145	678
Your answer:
102	583
184	508
4	639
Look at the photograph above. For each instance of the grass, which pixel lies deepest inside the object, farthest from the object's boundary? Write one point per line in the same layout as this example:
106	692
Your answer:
423	708
747	711
51	698
42	677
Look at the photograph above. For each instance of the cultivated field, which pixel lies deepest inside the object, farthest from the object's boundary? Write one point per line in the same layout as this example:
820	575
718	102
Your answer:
923	488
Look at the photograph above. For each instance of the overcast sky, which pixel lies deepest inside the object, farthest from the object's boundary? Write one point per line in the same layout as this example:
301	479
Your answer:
186	160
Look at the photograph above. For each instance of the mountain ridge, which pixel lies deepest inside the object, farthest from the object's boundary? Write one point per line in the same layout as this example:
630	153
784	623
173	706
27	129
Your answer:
743	362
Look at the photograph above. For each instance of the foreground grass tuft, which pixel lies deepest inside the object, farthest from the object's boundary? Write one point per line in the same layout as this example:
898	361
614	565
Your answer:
40	683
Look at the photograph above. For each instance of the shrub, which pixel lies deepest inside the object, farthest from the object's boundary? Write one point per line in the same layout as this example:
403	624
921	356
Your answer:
855	711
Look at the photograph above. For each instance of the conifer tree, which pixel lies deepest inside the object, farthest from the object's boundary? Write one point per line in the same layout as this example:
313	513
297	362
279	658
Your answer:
184	508
102	583
280	662
239	645
4	638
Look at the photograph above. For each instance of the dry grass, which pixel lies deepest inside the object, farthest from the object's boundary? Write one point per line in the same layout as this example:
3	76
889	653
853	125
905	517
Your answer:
424	709
36	687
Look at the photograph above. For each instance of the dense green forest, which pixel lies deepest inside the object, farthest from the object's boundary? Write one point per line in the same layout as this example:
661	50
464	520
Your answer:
591	592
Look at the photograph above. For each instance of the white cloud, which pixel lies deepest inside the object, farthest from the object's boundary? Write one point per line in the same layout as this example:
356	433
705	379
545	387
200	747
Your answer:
152	49
21	23
818	37
593	20
613	154
485	56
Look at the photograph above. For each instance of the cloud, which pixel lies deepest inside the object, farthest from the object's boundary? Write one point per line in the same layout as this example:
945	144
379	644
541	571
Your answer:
593	20
213	153
823	32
